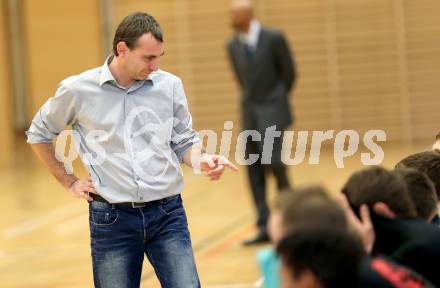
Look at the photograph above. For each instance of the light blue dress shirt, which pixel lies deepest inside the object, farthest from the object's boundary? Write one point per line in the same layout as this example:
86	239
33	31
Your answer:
131	140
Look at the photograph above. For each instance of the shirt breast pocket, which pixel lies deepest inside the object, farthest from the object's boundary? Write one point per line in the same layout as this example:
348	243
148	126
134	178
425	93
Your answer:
157	123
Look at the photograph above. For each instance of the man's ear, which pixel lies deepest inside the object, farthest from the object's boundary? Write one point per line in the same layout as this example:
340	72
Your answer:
121	47
382	209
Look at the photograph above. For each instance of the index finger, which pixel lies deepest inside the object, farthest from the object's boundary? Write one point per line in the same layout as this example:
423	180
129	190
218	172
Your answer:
230	165
343	201
365	215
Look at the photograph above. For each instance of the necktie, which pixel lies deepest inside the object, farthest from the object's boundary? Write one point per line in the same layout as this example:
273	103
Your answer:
249	51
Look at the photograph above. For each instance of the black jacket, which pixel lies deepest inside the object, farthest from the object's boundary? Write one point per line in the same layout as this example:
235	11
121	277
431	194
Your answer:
411	242
265	80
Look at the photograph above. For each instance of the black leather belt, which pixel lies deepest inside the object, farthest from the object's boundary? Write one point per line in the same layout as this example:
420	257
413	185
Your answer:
132	204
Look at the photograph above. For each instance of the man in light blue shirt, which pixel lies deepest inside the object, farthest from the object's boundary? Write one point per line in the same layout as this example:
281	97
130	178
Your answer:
132	127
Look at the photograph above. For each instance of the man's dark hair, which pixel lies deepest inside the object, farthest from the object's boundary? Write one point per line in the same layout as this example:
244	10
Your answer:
427	162
437	137
332	255
310	206
134	26
422	192
377	184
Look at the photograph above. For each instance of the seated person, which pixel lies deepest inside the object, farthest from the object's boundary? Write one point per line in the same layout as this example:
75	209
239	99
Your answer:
309	206
422	192
326	257
427	162
320	257
399	234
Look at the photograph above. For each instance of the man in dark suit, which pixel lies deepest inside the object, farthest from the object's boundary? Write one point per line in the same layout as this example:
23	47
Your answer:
265	71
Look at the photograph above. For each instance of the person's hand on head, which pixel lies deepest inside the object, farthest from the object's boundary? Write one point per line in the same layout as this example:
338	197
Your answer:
362	225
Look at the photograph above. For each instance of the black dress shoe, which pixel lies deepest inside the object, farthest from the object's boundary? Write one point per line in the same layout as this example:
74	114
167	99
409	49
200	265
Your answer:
260	238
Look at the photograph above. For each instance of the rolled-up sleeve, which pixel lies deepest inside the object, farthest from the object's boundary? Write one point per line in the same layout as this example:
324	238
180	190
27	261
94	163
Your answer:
53	117
183	136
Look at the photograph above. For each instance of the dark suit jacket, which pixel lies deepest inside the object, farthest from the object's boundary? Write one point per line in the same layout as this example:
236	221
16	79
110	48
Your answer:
265	81
411	242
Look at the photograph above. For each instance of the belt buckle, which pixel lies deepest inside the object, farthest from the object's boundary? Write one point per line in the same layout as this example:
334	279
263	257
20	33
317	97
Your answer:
137	205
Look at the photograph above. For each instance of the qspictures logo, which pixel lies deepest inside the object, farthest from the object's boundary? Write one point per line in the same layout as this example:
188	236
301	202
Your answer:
148	145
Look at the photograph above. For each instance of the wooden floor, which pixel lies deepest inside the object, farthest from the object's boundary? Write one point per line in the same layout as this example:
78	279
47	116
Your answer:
44	234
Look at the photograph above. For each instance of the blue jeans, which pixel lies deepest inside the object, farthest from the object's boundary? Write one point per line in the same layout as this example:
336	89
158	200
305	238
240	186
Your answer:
121	235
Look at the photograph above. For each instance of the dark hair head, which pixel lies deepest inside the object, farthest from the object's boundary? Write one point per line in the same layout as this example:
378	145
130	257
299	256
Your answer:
437	137
310	206
332	255
422	192
377	184
427	162
134	26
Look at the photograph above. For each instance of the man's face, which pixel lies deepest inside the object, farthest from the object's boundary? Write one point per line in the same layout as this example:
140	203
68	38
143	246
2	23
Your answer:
275	226
436	146
240	19
143	59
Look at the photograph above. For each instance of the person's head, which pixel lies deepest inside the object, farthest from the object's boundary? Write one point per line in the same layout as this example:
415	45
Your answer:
242	14
138	44
308	206
427	162
436	146
422	192
382	190
321	257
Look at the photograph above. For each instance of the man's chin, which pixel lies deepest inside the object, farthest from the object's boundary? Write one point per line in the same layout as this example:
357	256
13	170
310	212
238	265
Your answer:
143	77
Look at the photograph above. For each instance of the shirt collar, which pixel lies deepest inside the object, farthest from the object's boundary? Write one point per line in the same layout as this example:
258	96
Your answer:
106	74
251	37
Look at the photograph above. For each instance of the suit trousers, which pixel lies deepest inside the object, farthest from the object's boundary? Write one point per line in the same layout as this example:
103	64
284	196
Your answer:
258	173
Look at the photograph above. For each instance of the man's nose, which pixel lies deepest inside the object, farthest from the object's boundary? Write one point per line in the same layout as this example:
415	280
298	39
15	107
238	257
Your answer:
154	65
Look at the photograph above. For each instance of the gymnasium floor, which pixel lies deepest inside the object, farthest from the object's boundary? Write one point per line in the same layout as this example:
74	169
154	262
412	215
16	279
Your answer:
44	236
